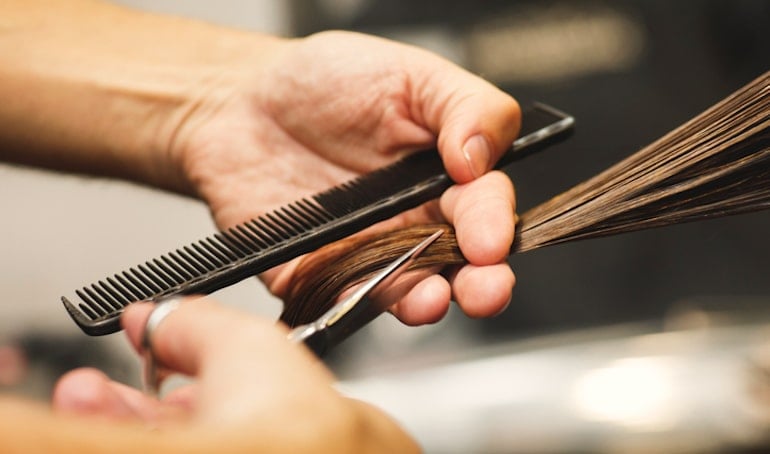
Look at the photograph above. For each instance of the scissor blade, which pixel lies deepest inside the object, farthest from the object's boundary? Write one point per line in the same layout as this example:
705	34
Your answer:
367	302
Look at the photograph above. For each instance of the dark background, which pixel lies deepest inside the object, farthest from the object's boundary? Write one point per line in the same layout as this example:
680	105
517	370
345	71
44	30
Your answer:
694	54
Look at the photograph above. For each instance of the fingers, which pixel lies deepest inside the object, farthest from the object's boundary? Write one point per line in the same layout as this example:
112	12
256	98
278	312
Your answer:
475	121
427	302
191	335
480	291
482	213
483	291
244	365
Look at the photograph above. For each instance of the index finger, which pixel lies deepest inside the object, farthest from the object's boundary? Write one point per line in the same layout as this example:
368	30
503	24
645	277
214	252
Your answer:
201	334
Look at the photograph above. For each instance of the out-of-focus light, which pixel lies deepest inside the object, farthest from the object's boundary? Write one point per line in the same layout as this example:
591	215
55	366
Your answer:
634	392
542	44
343	9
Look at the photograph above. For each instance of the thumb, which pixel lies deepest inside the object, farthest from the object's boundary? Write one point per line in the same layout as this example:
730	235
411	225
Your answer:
475	121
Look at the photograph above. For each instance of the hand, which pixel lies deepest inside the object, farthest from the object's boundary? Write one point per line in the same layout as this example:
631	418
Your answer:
253	388
321	110
249	122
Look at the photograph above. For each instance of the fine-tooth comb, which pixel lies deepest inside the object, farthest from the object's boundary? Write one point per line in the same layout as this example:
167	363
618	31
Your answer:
302	226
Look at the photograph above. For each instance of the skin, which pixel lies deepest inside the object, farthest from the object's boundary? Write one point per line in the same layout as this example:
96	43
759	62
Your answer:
255	392
246	123
392	104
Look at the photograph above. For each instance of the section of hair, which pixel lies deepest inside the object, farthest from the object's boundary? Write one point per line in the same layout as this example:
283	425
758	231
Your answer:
714	165
321	277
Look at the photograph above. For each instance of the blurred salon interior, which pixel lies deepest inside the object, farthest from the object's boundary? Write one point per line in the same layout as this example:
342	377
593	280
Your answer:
650	342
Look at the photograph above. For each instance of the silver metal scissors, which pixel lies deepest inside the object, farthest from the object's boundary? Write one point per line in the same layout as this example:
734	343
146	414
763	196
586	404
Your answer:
368	301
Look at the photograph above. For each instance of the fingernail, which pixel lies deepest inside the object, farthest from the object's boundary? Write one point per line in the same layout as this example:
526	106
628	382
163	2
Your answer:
477	154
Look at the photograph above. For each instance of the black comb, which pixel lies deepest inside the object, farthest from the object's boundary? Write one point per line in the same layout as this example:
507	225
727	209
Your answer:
303	226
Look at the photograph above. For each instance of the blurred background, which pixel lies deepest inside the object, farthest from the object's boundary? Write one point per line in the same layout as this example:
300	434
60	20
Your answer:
657	341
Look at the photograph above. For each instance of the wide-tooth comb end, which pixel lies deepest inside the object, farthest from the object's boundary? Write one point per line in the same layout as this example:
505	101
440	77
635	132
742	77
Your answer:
99	327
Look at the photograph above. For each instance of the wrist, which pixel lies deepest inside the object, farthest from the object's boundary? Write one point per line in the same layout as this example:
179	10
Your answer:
219	102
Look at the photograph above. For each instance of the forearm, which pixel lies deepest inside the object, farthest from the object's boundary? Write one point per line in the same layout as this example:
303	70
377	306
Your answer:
27	427
91	87
30	427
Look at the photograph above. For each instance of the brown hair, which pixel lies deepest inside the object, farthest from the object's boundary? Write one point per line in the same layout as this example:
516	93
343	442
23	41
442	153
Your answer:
714	165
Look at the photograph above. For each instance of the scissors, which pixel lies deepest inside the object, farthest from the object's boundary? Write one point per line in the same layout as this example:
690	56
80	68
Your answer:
371	299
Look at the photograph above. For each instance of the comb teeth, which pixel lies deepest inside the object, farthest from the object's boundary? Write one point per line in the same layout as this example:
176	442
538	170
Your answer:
200	267
281	235
261	243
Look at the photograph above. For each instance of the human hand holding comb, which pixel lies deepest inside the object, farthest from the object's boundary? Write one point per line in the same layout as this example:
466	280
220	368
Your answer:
337	105
249	122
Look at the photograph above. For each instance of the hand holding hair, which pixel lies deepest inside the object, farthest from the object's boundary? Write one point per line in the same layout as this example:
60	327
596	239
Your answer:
716	164
249	122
